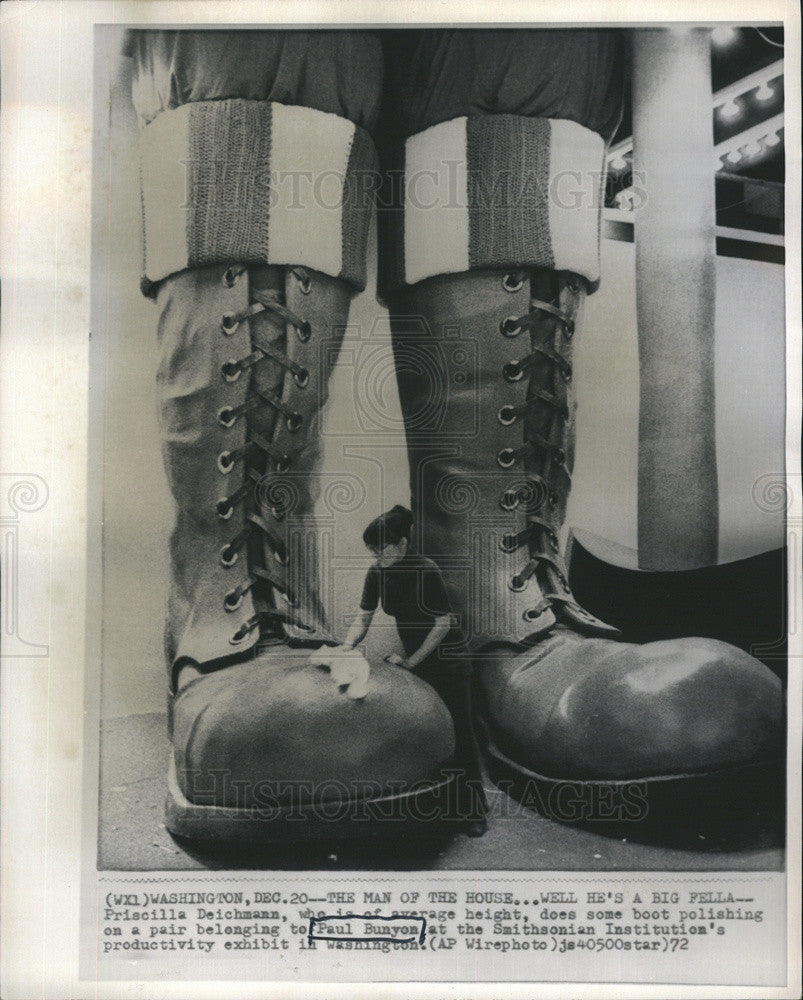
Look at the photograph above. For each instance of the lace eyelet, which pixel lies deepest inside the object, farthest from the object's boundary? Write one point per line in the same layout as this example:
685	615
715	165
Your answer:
225	417
568	328
230	276
559	455
304	283
508	543
281	558
230	370
509	500
553	499
229	324
516	584
505	458
507	416
301	378
532	614
283	463
553	542
513	372
573	284
304	332
293	422
509	327
224	509
567	374
512	283
232	601
227	557
240	635
225	462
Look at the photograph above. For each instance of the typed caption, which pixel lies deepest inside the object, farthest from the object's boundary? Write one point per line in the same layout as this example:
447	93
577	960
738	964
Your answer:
558	927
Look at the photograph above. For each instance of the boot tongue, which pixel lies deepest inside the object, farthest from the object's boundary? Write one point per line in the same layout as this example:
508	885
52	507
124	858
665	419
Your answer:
553	424
268	329
306	332
553	580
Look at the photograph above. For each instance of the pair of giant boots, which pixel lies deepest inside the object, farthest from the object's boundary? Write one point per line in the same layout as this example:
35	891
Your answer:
253	297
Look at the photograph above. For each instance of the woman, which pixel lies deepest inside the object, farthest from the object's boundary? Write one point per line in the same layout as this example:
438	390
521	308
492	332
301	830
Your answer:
411	590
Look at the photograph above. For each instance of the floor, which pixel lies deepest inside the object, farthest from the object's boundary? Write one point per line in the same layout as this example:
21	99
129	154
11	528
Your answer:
132	836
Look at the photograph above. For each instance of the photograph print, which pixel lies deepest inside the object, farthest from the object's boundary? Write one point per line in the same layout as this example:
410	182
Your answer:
439	378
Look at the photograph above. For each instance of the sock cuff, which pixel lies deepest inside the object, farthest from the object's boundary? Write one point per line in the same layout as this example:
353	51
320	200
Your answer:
496	191
255	182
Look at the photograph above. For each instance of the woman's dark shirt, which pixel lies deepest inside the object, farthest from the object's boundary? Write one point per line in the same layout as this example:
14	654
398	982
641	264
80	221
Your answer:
413	592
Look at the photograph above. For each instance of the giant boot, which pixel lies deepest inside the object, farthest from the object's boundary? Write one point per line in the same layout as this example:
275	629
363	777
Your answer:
484	360
266	746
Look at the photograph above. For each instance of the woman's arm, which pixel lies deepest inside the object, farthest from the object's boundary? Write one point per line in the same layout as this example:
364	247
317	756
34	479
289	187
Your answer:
436	636
359	628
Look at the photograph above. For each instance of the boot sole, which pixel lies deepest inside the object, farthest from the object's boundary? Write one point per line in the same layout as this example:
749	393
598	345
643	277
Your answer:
419	807
671	808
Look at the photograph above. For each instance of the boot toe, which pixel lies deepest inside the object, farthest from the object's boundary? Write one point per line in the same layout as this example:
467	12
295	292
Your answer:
620	711
278	729
666	708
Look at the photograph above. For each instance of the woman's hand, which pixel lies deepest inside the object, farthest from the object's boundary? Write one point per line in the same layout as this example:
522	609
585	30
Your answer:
397	661
438	632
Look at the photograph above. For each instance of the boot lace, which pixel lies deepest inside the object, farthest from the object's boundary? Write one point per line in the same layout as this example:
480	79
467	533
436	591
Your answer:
536	493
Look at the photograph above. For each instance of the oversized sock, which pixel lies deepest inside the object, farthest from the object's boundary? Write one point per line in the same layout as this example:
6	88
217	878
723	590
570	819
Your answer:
255	148
493	140
256	182
499	191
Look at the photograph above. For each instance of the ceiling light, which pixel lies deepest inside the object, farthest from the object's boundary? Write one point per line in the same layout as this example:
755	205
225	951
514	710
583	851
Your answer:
734	156
618	163
756	133
723	36
730	109
772	139
752	149
765	93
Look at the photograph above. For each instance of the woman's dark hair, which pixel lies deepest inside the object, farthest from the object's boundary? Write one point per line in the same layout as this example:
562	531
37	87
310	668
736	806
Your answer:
389	528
